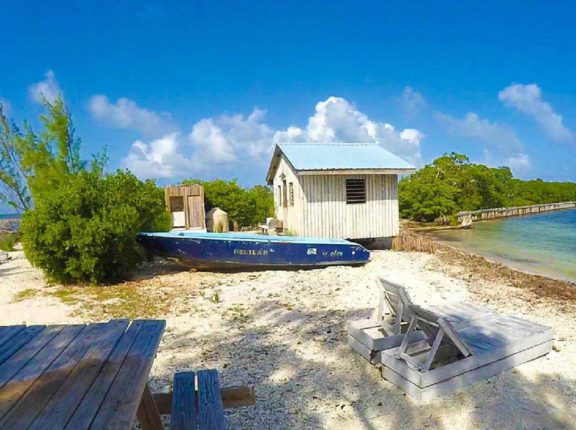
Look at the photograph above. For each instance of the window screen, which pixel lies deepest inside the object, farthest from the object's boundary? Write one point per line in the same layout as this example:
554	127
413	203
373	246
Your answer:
279	195
284	194
355	191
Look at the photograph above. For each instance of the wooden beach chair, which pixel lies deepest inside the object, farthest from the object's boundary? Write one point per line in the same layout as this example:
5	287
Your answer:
388	326
450	358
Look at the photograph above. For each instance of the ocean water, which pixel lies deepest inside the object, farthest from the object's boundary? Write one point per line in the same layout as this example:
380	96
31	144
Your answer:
9	216
10	225
543	243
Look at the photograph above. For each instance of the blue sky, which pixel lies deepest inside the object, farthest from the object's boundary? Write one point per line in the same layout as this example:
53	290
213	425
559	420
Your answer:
204	89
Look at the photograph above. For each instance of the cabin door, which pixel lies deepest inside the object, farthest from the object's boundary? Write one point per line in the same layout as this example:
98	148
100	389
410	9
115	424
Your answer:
196	217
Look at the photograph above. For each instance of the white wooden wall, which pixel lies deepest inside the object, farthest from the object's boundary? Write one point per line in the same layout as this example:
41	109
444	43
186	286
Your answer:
320	208
326	213
291	216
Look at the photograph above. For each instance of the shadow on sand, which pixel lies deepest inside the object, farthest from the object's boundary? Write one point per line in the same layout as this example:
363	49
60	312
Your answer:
322	383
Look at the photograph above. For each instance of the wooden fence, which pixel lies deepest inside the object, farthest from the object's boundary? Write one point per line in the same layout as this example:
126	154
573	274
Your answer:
409	241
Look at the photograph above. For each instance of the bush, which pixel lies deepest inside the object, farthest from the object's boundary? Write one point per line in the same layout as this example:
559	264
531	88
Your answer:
7	241
85	230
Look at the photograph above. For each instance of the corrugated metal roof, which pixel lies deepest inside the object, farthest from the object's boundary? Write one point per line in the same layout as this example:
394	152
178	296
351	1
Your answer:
341	156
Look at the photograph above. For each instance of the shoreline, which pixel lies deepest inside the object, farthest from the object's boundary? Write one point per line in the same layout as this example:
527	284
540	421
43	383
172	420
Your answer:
486	269
503	261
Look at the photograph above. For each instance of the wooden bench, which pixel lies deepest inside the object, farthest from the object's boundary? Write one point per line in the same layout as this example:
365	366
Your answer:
198	402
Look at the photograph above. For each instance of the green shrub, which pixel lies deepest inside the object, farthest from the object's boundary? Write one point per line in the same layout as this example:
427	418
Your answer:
7	241
85	230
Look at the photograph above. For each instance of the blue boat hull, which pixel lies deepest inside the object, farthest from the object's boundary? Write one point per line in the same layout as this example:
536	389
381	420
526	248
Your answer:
231	251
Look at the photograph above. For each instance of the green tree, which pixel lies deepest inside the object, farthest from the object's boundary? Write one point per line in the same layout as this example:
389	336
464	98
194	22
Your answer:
426	197
263	203
13	175
83	224
451	184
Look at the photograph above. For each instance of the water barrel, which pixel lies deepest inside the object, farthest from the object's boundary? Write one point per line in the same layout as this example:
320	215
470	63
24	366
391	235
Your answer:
217	220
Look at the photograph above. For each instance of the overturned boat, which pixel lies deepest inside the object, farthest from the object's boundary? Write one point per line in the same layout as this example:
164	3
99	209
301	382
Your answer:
231	251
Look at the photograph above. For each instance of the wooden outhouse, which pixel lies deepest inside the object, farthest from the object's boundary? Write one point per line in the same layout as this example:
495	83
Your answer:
337	190
186	206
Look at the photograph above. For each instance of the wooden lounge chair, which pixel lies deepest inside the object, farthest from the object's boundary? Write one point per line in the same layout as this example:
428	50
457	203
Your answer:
451	357
386	329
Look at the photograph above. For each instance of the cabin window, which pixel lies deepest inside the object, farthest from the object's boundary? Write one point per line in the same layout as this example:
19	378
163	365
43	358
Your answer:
291	193
284	194
176	204
355	191
279	195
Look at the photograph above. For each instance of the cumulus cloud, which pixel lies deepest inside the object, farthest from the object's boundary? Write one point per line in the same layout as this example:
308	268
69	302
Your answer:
126	114
226	142
337	120
232	137
528	100
500	142
48	89
161	158
230	142
520	163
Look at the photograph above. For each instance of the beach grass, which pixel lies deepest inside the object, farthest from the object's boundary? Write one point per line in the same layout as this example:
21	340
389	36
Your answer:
132	300
28	293
7	241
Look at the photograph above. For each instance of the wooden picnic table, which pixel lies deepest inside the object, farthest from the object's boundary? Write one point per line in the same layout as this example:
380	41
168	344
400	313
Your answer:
84	376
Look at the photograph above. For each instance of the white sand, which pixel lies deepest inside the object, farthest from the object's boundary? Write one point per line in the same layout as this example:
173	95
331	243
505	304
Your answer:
16	276
285	332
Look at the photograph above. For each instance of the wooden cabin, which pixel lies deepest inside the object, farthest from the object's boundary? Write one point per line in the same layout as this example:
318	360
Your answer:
337	190
186	206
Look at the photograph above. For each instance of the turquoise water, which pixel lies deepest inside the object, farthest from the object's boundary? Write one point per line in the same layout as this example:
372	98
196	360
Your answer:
543	243
9	216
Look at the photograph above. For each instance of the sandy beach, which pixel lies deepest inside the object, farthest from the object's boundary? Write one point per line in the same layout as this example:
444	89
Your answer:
285	331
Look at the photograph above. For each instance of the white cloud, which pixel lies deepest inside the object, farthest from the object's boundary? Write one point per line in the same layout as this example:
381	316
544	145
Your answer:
126	114
520	163
500	143
48	89
161	158
412	102
228	144
232	137
337	120
225	143
209	139
474	127
528	100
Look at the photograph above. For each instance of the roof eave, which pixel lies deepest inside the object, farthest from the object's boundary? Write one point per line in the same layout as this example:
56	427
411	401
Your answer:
390	171
273	165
